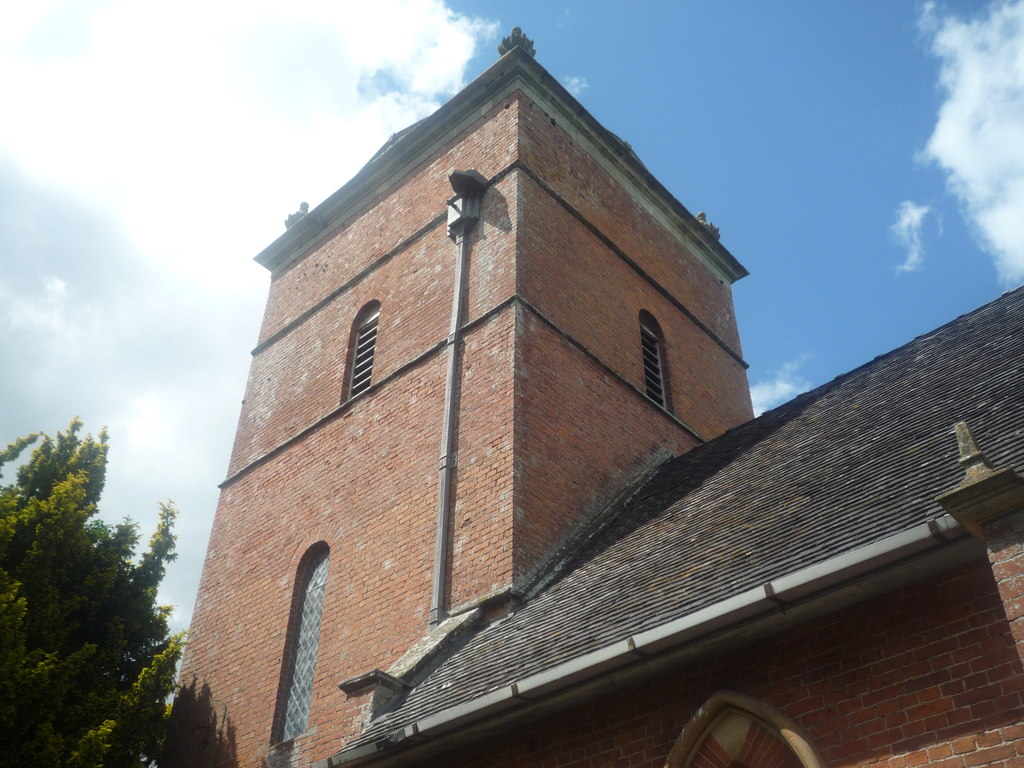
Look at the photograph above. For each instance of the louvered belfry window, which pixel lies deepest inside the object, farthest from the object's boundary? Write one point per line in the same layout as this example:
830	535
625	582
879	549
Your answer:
653	352
364	345
305	640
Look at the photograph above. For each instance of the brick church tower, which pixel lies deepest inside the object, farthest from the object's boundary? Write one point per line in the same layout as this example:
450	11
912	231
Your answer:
469	351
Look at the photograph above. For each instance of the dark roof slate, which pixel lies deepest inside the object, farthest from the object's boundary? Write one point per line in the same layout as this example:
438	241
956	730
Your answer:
842	466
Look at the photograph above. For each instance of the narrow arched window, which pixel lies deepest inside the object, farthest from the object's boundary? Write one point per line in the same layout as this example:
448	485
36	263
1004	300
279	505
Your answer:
652	351
304	638
363	346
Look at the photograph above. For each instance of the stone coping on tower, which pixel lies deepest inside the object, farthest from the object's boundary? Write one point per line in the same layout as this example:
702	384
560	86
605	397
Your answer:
515	71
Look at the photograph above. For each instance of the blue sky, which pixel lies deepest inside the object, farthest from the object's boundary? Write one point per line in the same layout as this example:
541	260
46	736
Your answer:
865	161
801	129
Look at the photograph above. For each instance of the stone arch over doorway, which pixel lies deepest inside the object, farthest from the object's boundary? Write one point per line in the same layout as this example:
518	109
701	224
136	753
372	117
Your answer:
735	731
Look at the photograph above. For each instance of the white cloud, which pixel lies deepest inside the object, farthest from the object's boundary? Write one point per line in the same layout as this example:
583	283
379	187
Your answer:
45	312
978	138
213	132
907	229
575	85
785	384
145	158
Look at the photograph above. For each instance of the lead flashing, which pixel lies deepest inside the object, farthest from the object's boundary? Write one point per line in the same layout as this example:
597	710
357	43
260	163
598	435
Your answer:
373	678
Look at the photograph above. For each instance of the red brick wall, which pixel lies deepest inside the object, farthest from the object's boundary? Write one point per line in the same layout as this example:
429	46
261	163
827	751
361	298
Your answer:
926	675
489	145
329	487
581	433
491	277
551	153
545	433
586	436
593	295
299	379
1006	553
482	523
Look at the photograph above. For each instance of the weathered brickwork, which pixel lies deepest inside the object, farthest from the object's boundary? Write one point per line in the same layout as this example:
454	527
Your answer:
1006	553
300	378
491	277
924	676
595	297
378	533
482	527
588	437
551	420
489	146
577	179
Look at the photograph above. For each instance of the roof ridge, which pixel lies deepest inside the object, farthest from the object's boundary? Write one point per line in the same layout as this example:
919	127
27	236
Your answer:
839	378
748	434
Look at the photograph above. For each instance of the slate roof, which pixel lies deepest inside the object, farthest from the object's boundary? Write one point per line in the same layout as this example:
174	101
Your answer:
847	464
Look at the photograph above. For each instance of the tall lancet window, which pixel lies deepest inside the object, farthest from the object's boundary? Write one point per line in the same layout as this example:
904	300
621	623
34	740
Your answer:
304	639
363	347
652	350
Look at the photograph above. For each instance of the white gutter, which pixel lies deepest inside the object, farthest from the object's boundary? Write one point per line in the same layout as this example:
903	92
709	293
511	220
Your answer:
760	601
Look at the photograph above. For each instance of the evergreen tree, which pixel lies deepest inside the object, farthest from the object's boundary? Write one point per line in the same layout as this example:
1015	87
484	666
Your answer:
86	662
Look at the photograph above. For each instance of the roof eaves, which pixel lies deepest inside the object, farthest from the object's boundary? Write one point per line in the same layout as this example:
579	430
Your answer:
812	583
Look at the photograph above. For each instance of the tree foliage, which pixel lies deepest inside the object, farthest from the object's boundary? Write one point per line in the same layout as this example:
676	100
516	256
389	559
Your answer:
86	660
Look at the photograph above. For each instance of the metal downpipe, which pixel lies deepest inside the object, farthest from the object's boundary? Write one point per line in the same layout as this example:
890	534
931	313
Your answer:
463	213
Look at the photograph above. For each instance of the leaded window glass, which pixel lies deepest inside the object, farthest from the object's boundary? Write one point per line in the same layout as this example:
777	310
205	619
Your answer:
306	640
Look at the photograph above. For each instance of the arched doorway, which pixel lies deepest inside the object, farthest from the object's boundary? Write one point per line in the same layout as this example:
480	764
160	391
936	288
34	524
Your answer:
735	731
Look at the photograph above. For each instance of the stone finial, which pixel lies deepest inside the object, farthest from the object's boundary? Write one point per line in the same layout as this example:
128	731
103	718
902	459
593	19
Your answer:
986	494
709	226
293	218
976	465
516	40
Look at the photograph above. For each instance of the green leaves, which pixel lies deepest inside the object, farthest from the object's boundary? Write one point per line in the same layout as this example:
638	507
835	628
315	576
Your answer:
86	663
